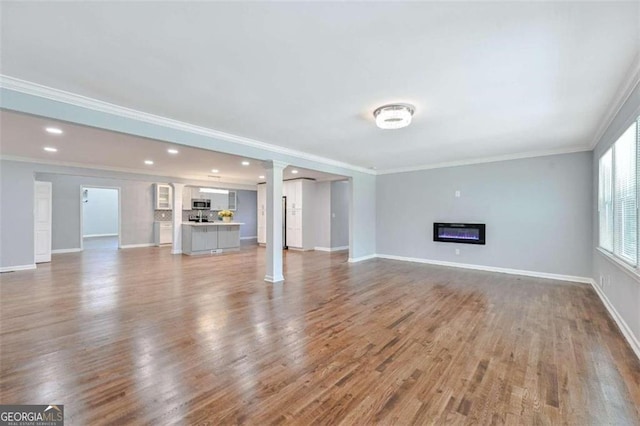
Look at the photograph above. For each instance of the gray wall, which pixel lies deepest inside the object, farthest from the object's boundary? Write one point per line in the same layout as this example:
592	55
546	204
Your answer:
362	216
247	213
623	288
323	214
16	214
339	214
136	198
100	212
535	210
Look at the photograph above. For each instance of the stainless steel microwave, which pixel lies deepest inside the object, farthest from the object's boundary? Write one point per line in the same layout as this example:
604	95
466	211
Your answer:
200	204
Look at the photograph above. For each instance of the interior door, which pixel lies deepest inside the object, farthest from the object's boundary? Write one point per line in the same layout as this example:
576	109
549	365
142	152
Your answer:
42	225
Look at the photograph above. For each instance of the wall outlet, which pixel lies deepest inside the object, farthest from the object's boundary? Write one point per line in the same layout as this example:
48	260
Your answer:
457	251
601	281
162	214
458	194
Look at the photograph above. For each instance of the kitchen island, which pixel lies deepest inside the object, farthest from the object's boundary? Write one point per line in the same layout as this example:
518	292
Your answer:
210	237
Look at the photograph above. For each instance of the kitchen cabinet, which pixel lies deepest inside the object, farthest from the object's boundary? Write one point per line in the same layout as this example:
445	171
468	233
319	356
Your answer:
204	238
163	233
164	200
228	236
219	201
299	224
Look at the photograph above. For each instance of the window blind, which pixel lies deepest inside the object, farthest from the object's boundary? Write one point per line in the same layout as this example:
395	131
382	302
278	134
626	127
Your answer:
605	201
625	196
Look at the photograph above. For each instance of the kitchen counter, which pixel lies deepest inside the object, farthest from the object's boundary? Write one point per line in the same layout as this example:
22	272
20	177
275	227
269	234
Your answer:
216	223
210	237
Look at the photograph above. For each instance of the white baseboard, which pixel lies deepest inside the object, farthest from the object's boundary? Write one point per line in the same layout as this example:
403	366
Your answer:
360	259
99	235
17	268
535	274
331	248
70	250
622	325
176	251
255	237
127	246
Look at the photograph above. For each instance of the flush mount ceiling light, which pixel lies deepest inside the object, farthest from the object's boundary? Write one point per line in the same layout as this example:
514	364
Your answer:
245	163
215	171
394	116
50	149
295	172
172	151
260	177
148	162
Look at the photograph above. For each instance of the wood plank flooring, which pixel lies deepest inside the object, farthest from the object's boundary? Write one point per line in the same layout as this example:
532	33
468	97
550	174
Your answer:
140	336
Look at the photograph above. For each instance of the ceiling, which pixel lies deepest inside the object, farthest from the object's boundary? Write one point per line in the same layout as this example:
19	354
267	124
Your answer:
487	79
24	137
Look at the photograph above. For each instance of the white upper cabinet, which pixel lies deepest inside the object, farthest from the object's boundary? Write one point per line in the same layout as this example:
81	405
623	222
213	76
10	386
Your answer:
233	201
164	199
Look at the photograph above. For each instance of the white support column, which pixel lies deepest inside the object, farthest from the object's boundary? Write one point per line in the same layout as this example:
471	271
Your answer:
274	221
176	247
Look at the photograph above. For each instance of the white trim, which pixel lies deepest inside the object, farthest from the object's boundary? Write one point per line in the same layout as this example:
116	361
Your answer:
627	87
34	89
69	250
622	325
176	251
535	274
469	162
630	270
128	246
270	279
361	258
331	248
17	268
255	237
99	235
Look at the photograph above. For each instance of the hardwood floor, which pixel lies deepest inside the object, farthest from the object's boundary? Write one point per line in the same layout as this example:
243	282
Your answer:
140	336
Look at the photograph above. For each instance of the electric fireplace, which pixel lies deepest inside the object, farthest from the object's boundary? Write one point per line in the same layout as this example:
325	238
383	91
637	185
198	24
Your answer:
465	233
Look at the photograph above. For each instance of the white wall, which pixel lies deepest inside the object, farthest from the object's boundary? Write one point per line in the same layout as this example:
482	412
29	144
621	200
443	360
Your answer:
100	212
535	211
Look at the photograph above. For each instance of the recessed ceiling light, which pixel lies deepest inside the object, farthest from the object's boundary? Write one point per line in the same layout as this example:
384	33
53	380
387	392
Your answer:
172	151
245	163
295	172
50	149
260	177
215	171
148	162
53	130
393	116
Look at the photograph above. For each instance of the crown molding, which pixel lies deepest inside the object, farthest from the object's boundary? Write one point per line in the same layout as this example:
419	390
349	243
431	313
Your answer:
34	89
627	87
241	184
485	160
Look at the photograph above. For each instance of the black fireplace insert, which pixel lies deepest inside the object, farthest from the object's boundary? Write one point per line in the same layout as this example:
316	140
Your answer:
465	233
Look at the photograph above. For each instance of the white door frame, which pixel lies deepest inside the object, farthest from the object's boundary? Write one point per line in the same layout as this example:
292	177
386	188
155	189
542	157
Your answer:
117	188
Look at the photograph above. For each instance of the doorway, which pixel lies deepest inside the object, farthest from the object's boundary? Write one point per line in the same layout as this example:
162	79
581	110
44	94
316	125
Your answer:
100	218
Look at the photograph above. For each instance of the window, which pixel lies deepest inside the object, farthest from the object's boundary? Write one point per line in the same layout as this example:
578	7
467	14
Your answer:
617	197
